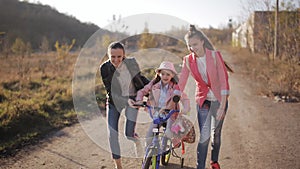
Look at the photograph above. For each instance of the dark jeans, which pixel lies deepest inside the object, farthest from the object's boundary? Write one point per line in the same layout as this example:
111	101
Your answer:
209	127
113	130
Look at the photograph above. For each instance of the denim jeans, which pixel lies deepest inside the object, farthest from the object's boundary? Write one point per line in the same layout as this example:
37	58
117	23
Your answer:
209	127
113	130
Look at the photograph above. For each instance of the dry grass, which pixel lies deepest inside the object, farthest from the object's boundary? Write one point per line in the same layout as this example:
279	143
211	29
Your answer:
278	78
35	98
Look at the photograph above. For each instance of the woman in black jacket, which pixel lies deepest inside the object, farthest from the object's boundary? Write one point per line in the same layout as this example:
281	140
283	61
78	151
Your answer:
122	79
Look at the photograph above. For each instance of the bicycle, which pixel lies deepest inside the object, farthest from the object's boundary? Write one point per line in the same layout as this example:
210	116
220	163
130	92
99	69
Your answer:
161	146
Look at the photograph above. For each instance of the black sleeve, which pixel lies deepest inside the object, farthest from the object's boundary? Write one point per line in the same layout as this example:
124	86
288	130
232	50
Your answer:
106	76
145	80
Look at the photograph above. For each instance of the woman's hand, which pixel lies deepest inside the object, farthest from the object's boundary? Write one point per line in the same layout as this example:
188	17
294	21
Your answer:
132	102
221	110
220	113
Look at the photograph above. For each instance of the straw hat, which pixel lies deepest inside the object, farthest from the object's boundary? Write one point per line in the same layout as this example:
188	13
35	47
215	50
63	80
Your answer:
166	65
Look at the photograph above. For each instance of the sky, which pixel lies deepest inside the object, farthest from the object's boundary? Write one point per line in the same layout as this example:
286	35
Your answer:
203	13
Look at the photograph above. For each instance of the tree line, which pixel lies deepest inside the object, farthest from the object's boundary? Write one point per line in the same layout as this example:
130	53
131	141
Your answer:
39	27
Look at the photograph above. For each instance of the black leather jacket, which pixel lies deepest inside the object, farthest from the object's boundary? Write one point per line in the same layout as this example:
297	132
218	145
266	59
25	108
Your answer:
112	84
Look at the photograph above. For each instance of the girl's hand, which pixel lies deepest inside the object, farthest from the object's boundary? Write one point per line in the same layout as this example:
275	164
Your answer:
184	112
181	113
221	113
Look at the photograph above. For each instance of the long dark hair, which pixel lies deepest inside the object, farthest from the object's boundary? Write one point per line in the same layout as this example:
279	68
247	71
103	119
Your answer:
193	32
115	45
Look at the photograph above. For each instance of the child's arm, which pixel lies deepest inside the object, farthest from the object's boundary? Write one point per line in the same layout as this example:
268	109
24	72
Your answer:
143	92
185	101
140	94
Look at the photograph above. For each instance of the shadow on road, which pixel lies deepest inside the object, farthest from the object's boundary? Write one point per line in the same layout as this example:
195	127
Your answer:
176	166
65	157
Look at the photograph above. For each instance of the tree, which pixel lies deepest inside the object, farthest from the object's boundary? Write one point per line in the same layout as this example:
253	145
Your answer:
45	44
19	47
147	40
106	40
28	49
117	25
63	49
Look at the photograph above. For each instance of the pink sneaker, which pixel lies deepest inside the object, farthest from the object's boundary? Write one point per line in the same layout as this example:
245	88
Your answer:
214	165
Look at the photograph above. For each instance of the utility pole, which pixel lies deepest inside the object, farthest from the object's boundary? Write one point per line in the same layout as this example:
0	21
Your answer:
275	30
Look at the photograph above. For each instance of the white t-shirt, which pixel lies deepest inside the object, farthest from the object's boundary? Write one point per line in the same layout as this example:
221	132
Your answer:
201	62
125	80
163	95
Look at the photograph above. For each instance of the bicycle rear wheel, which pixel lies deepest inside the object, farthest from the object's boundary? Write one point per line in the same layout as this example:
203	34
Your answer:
165	157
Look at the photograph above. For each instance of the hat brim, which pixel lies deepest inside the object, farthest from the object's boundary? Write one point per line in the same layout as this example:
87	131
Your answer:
159	69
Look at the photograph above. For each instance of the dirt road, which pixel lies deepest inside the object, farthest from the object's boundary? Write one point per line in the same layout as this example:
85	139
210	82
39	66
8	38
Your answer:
258	134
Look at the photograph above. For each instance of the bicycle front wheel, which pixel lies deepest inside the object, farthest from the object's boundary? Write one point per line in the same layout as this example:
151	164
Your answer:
150	160
167	148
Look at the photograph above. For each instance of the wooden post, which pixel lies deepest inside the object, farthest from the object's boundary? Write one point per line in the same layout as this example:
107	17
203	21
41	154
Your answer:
275	30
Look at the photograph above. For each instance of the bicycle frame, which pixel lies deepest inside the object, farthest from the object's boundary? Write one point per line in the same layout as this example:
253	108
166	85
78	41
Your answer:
157	146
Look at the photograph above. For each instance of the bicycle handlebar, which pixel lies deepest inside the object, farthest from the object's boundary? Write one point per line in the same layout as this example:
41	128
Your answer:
176	99
144	104
158	120
163	119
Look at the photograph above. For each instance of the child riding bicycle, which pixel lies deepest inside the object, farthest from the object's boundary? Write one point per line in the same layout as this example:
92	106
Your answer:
161	90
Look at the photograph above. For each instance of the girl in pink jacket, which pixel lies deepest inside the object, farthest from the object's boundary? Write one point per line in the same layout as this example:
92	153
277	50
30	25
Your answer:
161	91
212	90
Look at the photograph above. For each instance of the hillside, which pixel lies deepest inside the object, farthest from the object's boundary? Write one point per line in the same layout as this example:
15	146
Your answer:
33	22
